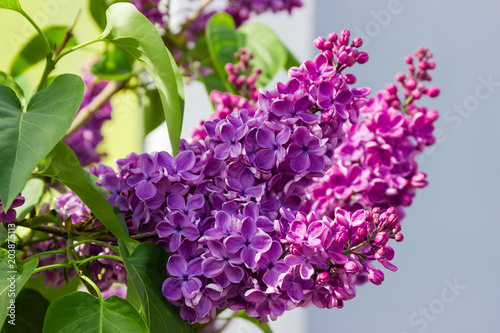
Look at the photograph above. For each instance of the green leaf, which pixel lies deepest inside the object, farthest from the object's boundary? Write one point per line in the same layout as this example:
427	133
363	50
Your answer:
152	110
263	326
11	272
116	65
97	9
146	271
63	165
222	42
269	53
3	233
28	134
11	4
132	31
31	307
30	53
291	61
9	81
82	312
32	193
92	179
49	292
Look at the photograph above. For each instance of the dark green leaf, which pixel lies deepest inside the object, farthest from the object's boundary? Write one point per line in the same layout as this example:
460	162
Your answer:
269	53
82	312
31	307
222	42
152	110
10	271
28	134
93	180
30	53
146	270
49	292
11	4
97	9
115	65
63	165
129	29
9	81
32	194
263	326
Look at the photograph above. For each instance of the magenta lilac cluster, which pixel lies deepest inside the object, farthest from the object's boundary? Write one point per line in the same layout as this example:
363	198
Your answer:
241	10
105	271
85	140
150	9
226	207
376	166
10	214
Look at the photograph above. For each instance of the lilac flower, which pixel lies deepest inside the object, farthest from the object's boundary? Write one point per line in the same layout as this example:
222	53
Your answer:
225	226
272	264
244	184
251	240
183	281
319	70
331	98
144	177
229	137
177	225
305	151
179	203
222	266
70	205
178	167
305	262
273	151
291	112
10	215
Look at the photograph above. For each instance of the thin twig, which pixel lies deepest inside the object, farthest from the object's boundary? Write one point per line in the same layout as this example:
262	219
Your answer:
67	35
87	112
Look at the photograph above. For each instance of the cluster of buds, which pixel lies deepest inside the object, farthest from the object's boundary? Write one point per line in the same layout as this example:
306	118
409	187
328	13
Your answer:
242	75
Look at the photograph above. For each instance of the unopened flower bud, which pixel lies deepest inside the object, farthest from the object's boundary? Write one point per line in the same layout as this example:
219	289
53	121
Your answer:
400	77
351	267
350	78
362	233
295	249
411	83
323	278
399	237
319	43
381	238
344	37
362	58
432	91
376	276
391	88
357	42
328	54
391	210
416	94
327	45
409	59
332	37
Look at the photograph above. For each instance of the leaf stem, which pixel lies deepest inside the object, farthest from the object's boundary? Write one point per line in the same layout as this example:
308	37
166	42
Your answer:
44	268
43	254
67	35
113	248
102	256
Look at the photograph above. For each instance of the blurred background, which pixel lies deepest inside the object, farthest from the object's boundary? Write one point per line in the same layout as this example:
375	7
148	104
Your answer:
447	279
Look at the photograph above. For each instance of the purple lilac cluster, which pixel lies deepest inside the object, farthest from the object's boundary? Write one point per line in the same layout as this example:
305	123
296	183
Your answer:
150	9
10	215
240	10
376	166
85	140
105	271
243	76
226	207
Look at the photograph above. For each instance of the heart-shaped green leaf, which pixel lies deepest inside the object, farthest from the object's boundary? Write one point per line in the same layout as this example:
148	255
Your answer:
31	307
146	271
11	4
9	81
82	312
63	165
28	135
12	279
30	53
132	31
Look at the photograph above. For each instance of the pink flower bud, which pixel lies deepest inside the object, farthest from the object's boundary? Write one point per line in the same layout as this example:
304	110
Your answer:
416	94
362	58
323	278
328	54
409	59
327	45
411	83
362	233
418	180
381	238
432	91
295	249
344	37
400	77
399	237
351	267
332	37
376	276
392	219
391	88
319	43
357	42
